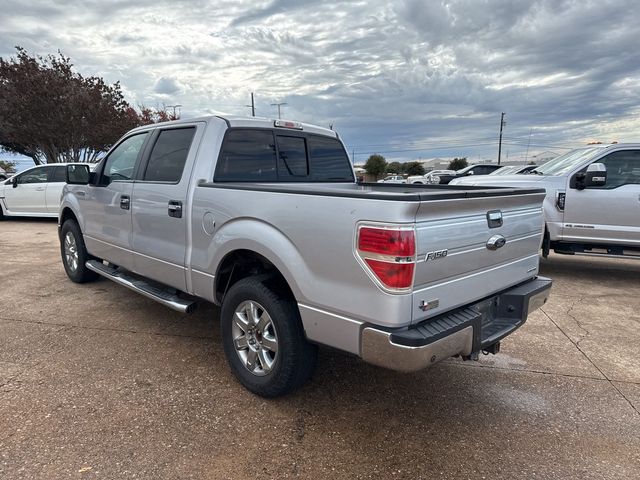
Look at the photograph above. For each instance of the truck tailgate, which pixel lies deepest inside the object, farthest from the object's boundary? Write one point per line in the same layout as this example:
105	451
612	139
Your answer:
470	248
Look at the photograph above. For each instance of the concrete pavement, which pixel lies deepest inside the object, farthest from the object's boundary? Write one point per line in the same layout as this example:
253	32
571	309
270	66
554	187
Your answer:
99	382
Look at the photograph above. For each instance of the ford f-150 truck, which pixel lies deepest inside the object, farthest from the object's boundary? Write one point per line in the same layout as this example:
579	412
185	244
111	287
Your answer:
265	218
592	206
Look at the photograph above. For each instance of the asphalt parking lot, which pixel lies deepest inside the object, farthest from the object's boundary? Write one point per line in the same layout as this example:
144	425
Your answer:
99	382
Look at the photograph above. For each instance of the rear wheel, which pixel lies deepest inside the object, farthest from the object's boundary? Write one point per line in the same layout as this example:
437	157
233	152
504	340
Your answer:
74	253
263	339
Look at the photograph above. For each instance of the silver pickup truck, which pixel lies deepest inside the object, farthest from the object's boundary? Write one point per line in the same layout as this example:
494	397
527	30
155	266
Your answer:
592	205
265	218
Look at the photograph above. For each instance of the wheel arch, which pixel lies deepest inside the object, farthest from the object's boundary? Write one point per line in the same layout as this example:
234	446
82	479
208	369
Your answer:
242	263
66	214
255	246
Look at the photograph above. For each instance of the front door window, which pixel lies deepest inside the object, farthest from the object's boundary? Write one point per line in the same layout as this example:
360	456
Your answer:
121	162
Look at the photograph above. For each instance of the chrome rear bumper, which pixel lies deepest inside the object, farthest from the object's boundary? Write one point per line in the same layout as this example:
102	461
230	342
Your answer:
462	332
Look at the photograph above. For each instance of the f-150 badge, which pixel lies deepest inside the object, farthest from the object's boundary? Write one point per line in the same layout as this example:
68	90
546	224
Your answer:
436	255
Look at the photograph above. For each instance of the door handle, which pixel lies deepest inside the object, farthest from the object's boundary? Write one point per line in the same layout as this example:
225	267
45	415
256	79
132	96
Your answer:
40	189
175	208
125	202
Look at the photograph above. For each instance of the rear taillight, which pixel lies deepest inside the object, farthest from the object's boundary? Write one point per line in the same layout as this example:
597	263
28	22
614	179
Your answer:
399	243
388	253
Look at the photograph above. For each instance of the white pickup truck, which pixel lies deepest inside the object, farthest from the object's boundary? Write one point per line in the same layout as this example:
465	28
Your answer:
265	218
592	206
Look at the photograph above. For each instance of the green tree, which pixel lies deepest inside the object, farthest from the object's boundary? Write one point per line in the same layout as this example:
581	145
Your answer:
7	166
394	167
458	163
413	168
376	165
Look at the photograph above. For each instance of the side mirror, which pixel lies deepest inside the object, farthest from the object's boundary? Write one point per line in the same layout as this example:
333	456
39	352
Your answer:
596	175
470	172
14	182
78	174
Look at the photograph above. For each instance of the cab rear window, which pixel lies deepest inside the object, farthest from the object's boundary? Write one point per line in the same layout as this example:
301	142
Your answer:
265	155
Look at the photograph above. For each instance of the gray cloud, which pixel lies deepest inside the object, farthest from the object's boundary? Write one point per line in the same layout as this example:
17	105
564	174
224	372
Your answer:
390	76
167	86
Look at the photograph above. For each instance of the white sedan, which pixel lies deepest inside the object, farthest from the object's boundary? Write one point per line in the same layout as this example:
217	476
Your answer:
393	179
431	177
34	192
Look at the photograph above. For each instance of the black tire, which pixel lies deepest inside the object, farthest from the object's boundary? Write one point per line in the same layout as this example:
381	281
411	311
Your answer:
1	213
77	272
295	360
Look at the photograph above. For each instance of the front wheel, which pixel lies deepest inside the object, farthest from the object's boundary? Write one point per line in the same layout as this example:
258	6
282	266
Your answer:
74	253
263	339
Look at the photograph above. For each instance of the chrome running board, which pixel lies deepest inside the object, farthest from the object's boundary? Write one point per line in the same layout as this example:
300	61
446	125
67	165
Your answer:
165	297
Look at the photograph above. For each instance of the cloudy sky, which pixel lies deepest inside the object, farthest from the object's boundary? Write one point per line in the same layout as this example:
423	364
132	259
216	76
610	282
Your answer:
408	79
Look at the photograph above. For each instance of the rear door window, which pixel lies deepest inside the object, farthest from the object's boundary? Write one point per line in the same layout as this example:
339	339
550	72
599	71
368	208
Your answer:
246	156
59	175
329	161
169	154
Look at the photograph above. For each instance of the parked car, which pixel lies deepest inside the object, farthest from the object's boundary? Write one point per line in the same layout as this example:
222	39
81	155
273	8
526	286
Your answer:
393	179
4	174
478	169
430	178
592	205
34	192
265	218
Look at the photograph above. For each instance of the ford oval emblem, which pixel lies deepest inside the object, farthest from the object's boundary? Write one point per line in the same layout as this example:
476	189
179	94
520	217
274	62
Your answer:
496	242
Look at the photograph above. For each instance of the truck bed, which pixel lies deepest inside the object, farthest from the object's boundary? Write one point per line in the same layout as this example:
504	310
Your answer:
378	191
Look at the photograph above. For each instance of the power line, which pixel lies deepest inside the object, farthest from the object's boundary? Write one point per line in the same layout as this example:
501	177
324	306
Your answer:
423	142
540	145
440	147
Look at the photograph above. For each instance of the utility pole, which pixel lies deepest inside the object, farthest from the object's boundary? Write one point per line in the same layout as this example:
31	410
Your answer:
502	124
253	106
174	109
278	105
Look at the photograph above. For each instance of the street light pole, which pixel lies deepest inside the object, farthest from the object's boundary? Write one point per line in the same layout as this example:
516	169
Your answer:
502	124
278	105
174	109
253	106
